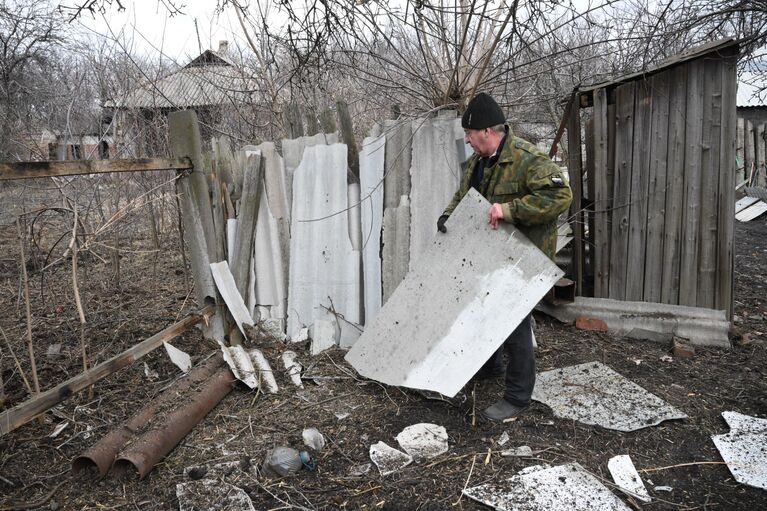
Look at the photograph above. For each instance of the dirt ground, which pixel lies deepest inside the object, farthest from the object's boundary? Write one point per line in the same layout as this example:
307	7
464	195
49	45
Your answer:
352	412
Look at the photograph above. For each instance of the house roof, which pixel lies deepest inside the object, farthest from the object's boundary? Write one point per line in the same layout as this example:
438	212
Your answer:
211	79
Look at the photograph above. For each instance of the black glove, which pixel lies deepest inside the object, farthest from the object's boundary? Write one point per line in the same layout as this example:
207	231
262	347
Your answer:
441	224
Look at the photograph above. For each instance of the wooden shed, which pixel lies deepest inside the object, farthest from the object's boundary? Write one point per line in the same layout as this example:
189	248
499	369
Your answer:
653	206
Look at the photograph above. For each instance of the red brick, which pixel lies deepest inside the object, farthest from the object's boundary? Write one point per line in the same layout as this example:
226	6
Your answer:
587	323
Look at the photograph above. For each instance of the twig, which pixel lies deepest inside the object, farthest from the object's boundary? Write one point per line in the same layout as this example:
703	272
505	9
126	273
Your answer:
684	465
466	484
37	503
18	364
78	301
30	347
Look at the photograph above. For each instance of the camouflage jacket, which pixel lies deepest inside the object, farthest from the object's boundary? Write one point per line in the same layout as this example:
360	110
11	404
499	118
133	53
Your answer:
530	188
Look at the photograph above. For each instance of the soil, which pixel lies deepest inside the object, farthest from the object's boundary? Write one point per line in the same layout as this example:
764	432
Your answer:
353	413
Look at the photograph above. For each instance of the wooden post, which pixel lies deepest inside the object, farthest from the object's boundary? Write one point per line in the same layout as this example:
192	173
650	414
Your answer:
246	223
619	232
328	121
588	245
347	135
312	125
28	410
575	170
688	275
761	155
750	150
672	227
740	149
656	207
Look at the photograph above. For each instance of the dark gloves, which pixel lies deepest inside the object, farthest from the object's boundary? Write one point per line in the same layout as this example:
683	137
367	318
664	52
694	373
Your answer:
441	224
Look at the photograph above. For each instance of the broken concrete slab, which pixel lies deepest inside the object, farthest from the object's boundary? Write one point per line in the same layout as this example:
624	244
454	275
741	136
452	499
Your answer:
593	393
388	459
372	191
434	175
232	297
423	441
704	327
562	488
212	495
324	267
458	304
627	478
396	246
743	448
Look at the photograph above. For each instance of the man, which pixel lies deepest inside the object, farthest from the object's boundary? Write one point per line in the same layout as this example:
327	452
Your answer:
528	190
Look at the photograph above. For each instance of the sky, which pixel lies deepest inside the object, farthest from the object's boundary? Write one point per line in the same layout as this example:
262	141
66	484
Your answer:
150	29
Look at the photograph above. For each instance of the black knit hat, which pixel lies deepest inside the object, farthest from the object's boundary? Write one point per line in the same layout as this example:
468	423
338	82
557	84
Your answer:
482	112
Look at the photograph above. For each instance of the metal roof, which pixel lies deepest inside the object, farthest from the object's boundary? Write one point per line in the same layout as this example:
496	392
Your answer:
203	82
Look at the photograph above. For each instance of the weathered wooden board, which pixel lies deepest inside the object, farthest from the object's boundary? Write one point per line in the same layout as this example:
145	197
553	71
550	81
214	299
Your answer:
674	186
709	182
640	169
36	169
619	234
602	194
740	148
761	155
688	274
727	170
588	242
750	149
656	207
575	170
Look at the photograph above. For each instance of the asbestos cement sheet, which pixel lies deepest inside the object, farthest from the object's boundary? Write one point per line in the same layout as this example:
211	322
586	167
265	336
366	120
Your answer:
435	175
593	393
270	281
324	267
562	488
232	297
423	441
627	478
371	190
293	154
457	305
743	448
396	246
754	211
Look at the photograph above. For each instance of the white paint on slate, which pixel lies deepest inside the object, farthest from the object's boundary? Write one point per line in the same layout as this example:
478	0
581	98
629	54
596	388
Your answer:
743	448
180	358
457	305
388	459
270	281
562	488
593	393
371	189
233	299
324	269
435	175
423	441
627	478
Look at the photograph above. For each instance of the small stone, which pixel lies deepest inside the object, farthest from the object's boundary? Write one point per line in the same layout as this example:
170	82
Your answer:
587	323
682	349
53	505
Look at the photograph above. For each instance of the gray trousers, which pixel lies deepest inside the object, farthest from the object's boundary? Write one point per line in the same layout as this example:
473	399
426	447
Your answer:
520	370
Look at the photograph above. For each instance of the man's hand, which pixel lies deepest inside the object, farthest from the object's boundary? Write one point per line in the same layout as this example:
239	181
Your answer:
441	224
494	214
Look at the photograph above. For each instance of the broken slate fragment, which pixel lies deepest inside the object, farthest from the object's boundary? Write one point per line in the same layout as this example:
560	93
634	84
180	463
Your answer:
593	393
503	439
423	441
180	358
522	450
212	495
562	488
626	477
360	470
388	459
743	448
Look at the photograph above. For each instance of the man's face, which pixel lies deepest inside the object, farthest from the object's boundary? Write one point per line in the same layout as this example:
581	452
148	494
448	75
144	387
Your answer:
480	141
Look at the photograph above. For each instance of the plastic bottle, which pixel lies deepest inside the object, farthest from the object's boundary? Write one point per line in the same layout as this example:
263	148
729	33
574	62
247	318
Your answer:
282	461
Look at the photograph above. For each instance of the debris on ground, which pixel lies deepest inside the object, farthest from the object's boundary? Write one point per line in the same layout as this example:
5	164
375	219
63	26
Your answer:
180	358
626	477
743	448
562	488
522	450
212	495
423	441
282	461
388	459
313	439
593	393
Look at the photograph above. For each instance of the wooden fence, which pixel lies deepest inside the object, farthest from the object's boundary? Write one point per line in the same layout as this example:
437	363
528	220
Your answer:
752	151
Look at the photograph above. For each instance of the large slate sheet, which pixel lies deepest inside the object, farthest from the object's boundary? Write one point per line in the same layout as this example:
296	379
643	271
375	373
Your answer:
456	306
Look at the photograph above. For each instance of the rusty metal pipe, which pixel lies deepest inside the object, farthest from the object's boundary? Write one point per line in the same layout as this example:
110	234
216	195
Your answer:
169	429
100	457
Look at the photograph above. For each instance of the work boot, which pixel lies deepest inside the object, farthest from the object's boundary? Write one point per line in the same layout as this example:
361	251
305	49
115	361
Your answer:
503	410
